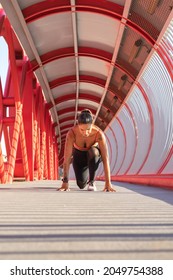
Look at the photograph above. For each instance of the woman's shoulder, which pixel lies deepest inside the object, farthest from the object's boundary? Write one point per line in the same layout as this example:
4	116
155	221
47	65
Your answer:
72	132
97	129
99	134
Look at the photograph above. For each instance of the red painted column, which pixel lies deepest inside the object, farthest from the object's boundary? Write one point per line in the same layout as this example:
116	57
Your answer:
28	129
18	105
42	138
24	153
46	160
2	168
37	131
55	158
28	100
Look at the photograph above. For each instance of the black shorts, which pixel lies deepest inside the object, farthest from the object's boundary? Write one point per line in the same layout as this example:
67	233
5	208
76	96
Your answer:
84	166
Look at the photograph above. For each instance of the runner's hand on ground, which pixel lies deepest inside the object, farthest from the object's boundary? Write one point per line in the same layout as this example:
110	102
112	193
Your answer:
109	189
64	188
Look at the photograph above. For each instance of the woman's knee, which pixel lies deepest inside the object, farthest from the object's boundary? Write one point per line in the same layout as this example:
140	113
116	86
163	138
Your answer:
93	152
81	184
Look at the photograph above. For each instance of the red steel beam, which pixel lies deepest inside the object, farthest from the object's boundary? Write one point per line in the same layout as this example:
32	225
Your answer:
45	8
110	9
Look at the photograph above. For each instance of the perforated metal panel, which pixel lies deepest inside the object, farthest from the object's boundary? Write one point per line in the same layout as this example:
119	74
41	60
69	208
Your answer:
150	124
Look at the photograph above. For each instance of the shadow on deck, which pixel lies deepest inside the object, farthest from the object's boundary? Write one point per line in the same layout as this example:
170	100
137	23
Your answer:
36	222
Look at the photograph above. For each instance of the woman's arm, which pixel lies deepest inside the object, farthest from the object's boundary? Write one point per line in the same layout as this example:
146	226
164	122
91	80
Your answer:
105	158
67	160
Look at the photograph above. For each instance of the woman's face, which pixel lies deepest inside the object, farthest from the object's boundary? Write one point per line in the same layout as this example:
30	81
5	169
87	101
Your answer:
85	129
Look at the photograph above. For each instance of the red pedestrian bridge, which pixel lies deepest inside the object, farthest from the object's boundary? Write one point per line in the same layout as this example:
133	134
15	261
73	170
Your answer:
115	58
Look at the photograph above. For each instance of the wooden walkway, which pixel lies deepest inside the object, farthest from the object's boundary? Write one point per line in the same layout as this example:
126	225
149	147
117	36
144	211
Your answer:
36	222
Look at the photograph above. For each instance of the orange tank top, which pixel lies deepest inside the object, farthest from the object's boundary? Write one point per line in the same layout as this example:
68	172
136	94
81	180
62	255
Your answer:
82	148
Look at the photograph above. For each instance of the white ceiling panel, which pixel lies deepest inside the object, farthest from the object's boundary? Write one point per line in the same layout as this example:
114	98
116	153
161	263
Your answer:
91	88
68	114
66	104
25	3
67	123
89	103
60	68
91	66
46	41
97	31
64	89
91	41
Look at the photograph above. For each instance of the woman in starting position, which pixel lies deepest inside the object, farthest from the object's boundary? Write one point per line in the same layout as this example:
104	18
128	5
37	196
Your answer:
86	145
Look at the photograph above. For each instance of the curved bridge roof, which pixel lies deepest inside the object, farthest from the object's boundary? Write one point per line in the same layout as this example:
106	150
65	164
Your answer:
87	53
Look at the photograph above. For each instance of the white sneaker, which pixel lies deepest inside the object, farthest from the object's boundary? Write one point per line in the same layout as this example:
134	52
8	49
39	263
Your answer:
92	187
